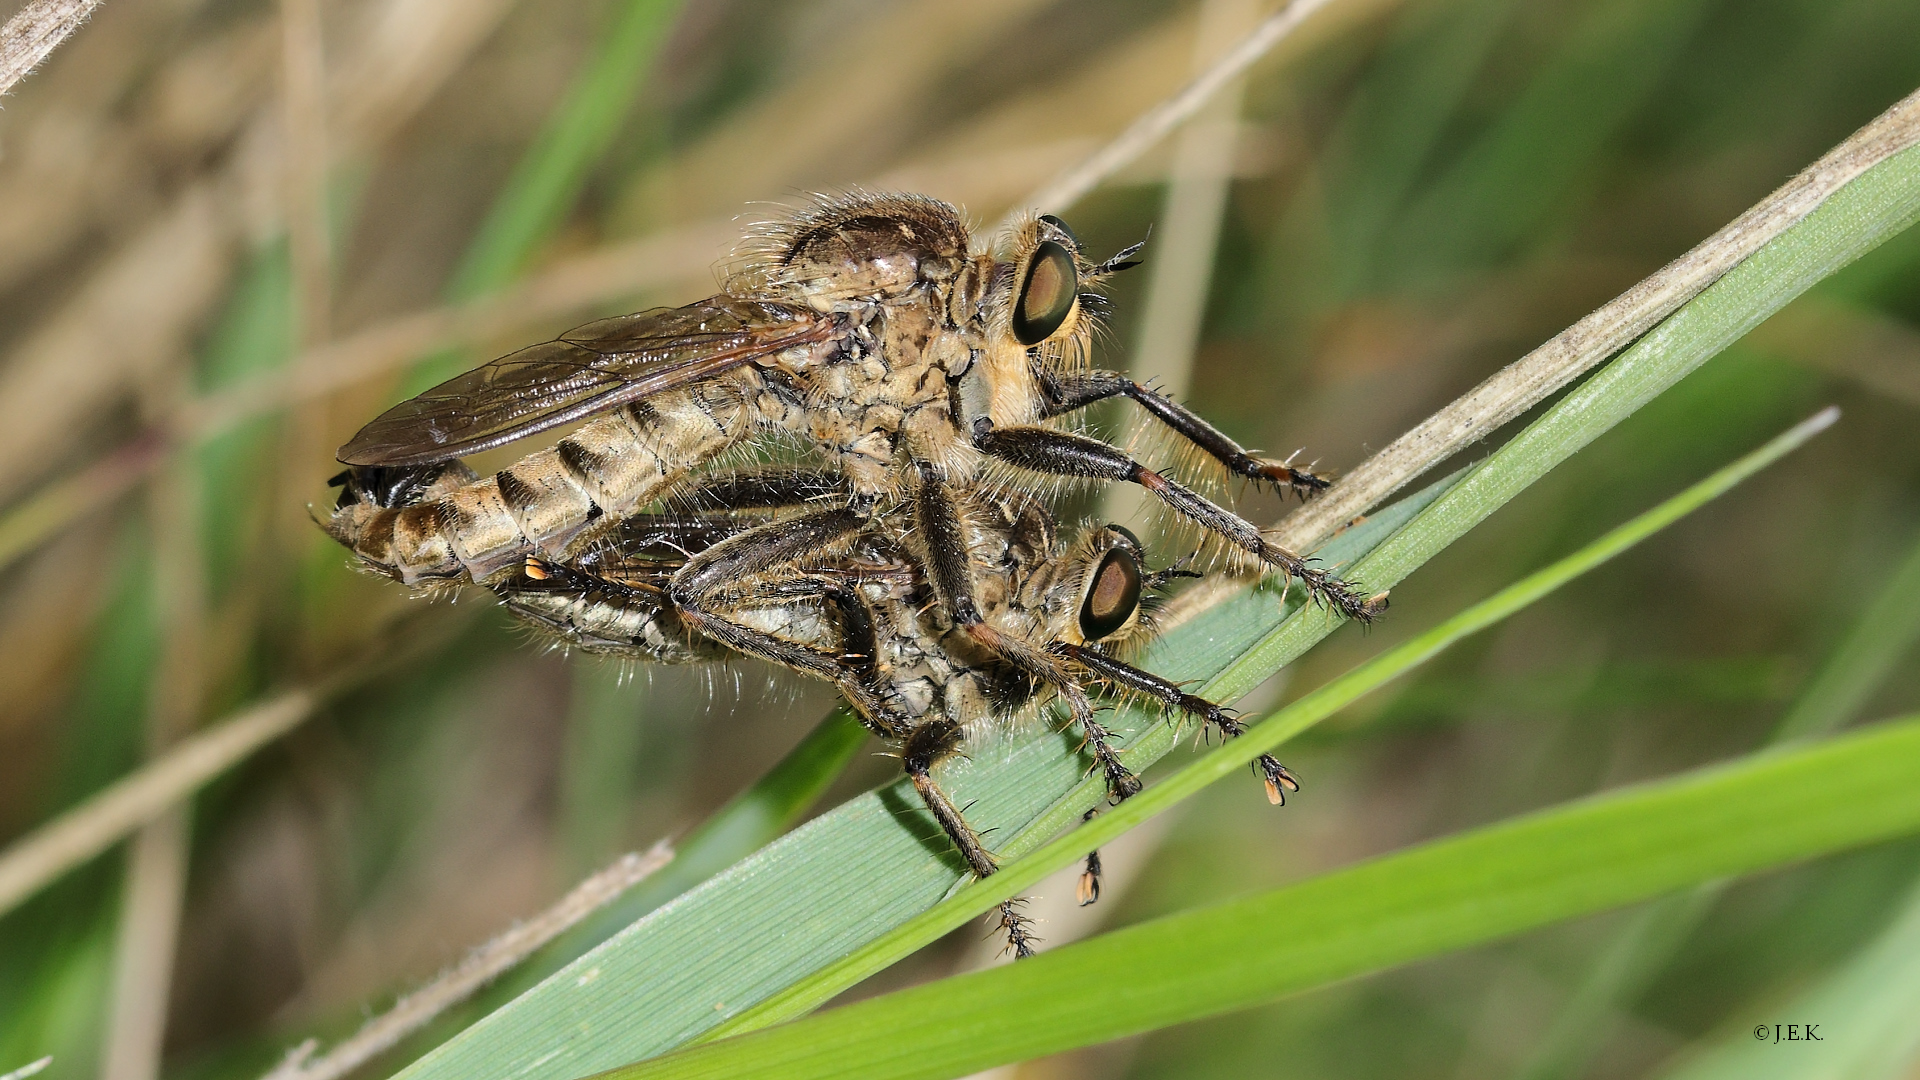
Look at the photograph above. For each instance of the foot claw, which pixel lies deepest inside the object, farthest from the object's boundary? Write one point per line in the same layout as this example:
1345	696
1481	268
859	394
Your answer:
1087	891
1276	777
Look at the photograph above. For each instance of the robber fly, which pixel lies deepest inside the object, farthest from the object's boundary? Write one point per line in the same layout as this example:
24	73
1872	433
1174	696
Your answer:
861	615
866	326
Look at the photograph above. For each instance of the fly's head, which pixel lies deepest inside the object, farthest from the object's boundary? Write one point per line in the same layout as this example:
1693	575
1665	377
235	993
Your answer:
1106	596
1040	304
1045	299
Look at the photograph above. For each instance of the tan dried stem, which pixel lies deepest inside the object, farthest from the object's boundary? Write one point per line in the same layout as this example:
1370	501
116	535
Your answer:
1156	123
304	116
1181	270
141	796
156	881
110	815
34	32
481	966
1580	347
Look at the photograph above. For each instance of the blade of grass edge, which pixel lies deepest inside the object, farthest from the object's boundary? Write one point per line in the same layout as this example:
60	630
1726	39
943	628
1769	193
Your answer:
980	895
747	822
1480	886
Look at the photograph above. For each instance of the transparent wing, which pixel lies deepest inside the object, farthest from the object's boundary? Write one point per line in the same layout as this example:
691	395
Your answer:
587	370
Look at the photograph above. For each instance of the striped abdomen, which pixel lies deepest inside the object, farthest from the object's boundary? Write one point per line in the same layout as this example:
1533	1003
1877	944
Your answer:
554	501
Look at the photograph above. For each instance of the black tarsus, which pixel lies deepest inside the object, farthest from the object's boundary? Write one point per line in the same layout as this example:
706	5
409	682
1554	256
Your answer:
1278	780
1167	693
1067	392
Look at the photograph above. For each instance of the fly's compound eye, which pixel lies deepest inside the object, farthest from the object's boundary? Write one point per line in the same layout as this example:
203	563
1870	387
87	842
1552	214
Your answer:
1113	594
1047	293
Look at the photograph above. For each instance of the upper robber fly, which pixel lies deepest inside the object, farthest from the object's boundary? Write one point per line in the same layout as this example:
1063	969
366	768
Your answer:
865	325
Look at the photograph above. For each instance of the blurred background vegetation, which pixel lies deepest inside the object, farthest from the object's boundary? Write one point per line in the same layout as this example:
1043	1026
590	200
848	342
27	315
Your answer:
249	226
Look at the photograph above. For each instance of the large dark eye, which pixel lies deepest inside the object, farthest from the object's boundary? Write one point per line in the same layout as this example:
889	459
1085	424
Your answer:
1113	595
1046	294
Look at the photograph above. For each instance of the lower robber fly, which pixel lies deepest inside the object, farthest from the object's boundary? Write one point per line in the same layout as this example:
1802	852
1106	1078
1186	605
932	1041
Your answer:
861	615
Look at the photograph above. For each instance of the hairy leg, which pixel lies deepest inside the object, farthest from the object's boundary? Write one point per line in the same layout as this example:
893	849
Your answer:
1062	453
1069	392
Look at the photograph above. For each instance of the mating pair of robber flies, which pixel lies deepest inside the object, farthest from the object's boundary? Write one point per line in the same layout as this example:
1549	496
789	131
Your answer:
902	562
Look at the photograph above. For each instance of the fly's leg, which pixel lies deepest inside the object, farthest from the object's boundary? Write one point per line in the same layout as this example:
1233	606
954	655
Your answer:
948	571
1067	393
927	745
1128	677
628	614
1274	775
1061	453
706	591
1087	889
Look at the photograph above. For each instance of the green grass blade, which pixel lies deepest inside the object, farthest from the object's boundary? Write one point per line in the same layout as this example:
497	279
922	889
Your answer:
980	895
1865	1012
1863	660
548	179
750	819
1629	962
550	175
1481	886
819	892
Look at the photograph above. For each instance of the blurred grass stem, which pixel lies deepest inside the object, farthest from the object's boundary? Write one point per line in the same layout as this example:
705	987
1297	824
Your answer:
156	880
1185	245
303	79
34	32
1158	122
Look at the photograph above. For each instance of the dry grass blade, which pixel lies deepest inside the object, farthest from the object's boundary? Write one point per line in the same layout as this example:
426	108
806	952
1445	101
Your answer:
417	1009
65	501
143	795
143	956
1156	123
134	800
1577	349
157	865
149	298
32	34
